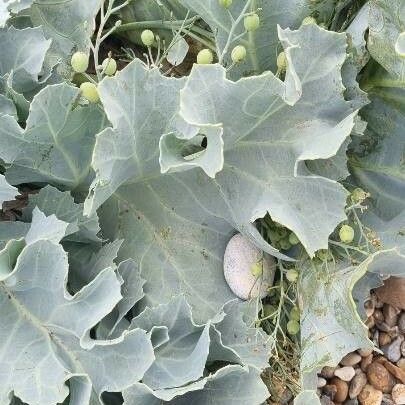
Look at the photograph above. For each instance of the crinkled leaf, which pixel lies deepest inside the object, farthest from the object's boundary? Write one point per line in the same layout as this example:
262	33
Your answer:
263	44
45	331
188	345
57	142
386	22
230	384
52	201
69	23
7	192
330	324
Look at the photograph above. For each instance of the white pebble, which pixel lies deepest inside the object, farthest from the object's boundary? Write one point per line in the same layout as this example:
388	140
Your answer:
239	259
345	373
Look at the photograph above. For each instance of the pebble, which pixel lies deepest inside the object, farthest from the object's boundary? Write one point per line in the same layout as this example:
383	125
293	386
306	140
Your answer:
387	400
390	315
369	307
325	400
379	377
401	364
365	352
403	349
393	350
366	362
394	370
357	384
384	339
351	359
328	372
351	402
370	396
401	322
393	292
398	394
378	316
342	389
321	382
345	373
330	390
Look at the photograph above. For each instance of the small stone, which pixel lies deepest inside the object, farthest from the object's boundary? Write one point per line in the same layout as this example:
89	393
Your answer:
351	402
403	349
325	400
383	327
351	359
392	292
401	322
370	396
397	372
321	382
370	322
365	352
393	350
390	314
401	364
384	339
387	400
378	316
365	362
345	373
330	390
369	307
398	394
357	384
327	372
342	389
379	377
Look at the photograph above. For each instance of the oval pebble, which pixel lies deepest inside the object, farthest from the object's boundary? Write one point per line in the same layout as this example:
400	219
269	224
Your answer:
239	259
351	359
345	373
370	396
398	394
357	384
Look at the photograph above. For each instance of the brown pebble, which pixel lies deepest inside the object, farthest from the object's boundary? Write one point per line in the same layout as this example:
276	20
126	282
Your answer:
379	377
401	364
370	396
392	292
365	362
401	322
342	389
365	352
330	391
369	307
370	322
384	339
357	384
403	349
394	370
398	394
390	314
351	359
327	372
378	316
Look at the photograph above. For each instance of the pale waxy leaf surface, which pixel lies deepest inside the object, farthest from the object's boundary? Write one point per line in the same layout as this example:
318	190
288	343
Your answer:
386	22
45	331
57	142
7	192
230	385
69	23
52	201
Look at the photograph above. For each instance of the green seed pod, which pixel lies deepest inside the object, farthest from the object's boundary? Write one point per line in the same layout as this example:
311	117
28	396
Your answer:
293	239
308	20
225	3
251	22
295	314
269	309
358	195
281	61
205	57
400	45
79	62
346	234
293	327
89	92
147	37
109	66
238	54
292	275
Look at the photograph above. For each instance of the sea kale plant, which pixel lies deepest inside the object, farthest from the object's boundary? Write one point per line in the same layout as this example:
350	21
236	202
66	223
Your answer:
137	137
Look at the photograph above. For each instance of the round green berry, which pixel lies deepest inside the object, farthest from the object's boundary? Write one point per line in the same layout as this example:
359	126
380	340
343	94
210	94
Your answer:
89	92
147	37
293	239
293	327
251	22
109	66
346	234
308	20
358	195
238	54
281	61
292	275
225	3
295	314
400	45
269	309
205	57
257	269
80	62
